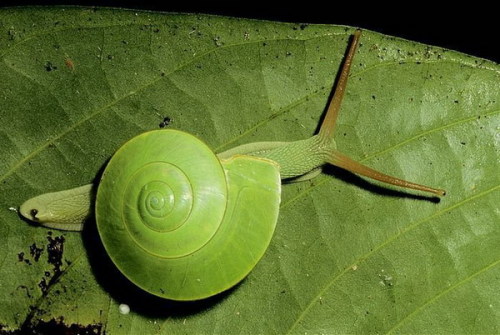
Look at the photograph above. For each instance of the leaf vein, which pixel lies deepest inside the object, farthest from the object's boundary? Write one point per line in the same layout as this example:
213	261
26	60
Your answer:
307	190
383	245
107	106
51	284
434	130
98	111
441	294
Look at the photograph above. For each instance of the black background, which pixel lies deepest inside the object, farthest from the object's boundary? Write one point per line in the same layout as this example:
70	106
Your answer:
470	27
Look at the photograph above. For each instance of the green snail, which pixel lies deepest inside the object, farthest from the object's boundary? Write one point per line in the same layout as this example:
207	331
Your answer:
184	223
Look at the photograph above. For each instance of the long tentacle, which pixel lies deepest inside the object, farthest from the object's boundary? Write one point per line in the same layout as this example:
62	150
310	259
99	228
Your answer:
327	128
341	160
332	113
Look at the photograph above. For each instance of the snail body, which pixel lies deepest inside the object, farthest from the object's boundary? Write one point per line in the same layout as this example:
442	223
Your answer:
175	218
184	223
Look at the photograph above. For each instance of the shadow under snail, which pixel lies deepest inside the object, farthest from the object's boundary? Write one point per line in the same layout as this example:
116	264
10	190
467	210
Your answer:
172	215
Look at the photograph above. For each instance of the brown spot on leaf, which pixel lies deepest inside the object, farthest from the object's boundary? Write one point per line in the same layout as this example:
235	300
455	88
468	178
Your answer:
69	64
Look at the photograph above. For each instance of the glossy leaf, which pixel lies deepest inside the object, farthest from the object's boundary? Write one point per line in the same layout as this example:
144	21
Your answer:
348	255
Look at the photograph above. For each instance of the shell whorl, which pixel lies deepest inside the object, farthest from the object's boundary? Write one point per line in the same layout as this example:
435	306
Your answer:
157	187
171	215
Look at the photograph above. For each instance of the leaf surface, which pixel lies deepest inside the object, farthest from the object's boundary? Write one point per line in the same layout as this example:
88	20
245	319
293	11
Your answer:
348	255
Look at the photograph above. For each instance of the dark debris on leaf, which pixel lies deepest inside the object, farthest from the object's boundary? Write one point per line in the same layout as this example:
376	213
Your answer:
55	250
56	327
50	67
35	252
43	285
166	121
20	256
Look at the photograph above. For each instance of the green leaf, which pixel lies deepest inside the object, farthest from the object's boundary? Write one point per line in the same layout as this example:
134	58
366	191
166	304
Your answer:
348	255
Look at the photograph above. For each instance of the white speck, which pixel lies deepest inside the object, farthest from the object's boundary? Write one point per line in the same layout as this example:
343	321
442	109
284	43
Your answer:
124	309
218	41
198	280
354	267
14	209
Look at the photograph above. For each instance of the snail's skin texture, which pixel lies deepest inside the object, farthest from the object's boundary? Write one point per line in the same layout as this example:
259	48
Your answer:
184	223
66	210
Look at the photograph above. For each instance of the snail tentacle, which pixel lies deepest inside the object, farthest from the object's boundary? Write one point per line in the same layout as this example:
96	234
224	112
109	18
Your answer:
299	159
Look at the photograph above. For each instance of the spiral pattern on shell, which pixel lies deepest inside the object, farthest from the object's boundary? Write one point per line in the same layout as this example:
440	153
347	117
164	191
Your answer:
166	205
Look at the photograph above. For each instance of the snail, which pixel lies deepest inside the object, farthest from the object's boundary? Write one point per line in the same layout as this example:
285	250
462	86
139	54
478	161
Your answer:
174	216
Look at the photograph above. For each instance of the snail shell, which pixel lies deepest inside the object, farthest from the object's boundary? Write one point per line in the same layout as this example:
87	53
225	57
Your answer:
180	223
